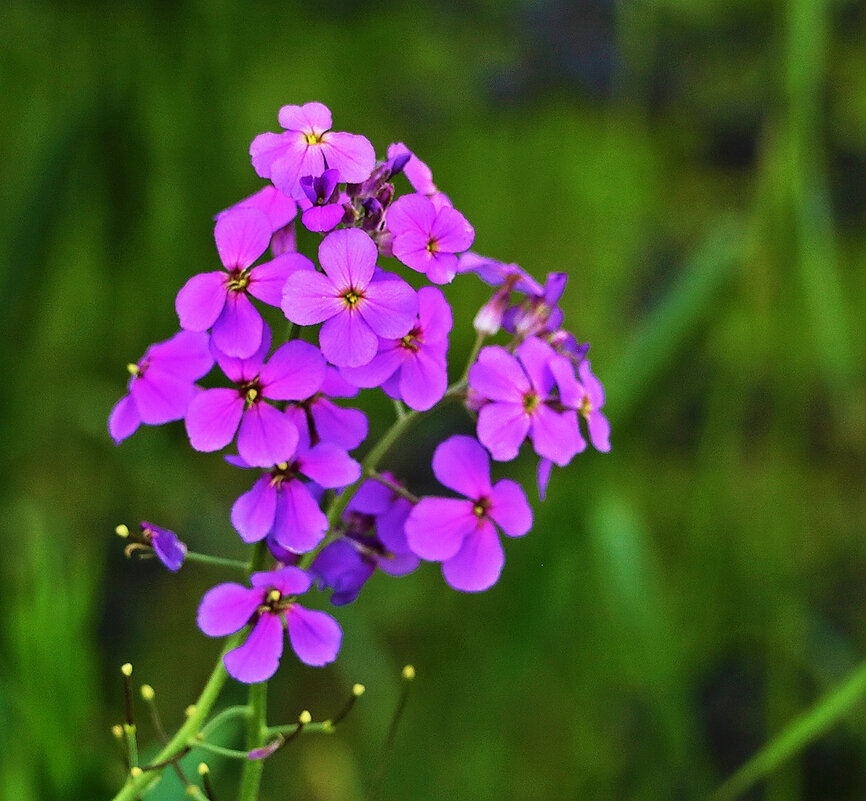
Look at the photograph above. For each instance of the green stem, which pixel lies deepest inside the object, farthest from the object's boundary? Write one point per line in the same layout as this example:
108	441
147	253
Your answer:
796	736
227	714
231	753
207	559
136	785
323	727
257	732
392	485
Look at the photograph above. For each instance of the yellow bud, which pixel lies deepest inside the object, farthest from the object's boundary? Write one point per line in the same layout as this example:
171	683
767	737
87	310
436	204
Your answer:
409	672
126	669
304	718
358	689
192	790
117	731
133	369
135	772
147	692
122	530
189	711
129	728
203	768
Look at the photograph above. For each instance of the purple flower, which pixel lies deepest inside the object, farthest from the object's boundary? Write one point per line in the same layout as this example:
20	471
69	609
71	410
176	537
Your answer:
323	208
266	436
519	389
585	394
345	564
497	273
331	423
413	368
220	299
419	174
167	547
356	307
305	148
538	313
426	238
269	605
279	209
461	533
283	506
161	384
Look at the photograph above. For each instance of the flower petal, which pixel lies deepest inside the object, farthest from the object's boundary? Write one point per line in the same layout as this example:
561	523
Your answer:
238	330
502	427
267	280
253	512
212	418
200	301
348	256
300	524
497	375
344	427
161	397
315	636
266	436
310	297
124	419
436	527
259	657
423	380
226	608
509	508
330	466
347	340
351	154
295	371
313	117
242	235
390	307
478	564
461	464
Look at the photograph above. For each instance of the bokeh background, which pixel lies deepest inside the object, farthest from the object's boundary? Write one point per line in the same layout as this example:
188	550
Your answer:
699	169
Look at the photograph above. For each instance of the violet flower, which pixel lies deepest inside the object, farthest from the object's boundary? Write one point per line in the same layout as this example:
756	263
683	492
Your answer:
269	605
585	394
283	506
426	238
461	533
414	367
266	435
277	207
307	147
519	389
161	384
356	307
220	299
323	205
167	547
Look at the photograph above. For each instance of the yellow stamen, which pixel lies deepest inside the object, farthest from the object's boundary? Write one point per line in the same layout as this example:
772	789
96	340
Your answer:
133	369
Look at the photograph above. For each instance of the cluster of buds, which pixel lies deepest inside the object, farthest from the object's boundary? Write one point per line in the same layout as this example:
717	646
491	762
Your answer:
327	519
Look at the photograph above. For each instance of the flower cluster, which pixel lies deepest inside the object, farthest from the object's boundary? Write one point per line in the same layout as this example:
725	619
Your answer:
319	515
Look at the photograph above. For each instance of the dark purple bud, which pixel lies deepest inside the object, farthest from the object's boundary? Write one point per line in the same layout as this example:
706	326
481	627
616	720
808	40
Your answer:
373	214
386	195
398	163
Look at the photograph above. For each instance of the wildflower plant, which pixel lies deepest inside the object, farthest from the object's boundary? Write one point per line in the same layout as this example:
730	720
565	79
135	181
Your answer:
325	510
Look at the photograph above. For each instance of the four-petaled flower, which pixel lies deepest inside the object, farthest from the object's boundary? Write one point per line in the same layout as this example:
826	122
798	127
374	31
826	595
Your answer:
461	533
356	307
269	605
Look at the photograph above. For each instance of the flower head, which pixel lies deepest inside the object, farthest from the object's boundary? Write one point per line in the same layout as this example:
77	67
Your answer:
269	605
461	532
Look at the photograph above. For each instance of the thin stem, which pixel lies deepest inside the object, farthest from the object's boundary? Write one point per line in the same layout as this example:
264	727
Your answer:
399	408
241	710
136	785
796	736
393	485
220	561
256	737
231	753
473	354
324	727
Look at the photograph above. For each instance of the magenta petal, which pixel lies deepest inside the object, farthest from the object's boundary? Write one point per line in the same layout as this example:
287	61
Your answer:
344	427
253	512
313	117
479	562
556	435
436	527
212	418
502	427
300	524
347	340
289	580
297	159
323	218
200	300
509	508
434	314
295	371
592	385
498	375
330	466
226	608
423	380
380	368
245	369
545	466
412	213
186	355
310	297
452	231
599	431
259	657
535	356
351	154
315	636
419	174
442	268
348	256
267	280
571	392
242	235
266	148
124	419
390	307
266	436
238	330
461	464
160	396
410	247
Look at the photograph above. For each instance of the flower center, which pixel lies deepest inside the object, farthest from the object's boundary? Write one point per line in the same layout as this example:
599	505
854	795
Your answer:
283	472
413	340
313	138
432	246
251	392
586	406
134	370
352	296
481	507
530	402
238	280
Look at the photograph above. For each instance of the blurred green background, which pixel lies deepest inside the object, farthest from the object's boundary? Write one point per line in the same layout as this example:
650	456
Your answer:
699	169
